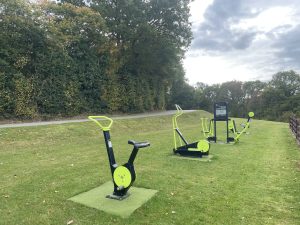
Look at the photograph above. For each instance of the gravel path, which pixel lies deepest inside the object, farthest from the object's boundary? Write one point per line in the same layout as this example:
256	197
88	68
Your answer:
133	116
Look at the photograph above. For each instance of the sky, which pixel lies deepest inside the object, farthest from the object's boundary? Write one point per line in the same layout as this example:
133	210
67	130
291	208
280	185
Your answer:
242	40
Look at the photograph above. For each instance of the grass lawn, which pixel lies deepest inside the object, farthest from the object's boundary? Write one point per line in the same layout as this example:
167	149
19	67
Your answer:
256	181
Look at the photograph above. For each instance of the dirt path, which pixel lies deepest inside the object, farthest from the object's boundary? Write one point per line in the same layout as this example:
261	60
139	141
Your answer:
139	115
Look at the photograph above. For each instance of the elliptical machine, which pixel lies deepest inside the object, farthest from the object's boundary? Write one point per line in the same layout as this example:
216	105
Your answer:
122	176
195	149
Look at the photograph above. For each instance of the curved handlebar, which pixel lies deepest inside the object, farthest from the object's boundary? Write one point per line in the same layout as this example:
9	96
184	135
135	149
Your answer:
179	110
94	118
178	107
175	125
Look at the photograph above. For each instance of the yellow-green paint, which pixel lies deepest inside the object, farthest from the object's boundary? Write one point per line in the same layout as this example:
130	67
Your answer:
236	139
212	127
194	150
175	125
205	130
203	145
238	135
122	176
104	128
232	127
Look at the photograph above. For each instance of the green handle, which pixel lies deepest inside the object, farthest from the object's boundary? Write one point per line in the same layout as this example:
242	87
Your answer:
94	118
178	107
179	110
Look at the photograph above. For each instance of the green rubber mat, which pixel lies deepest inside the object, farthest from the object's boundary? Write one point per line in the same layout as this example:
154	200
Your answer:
203	159
96	198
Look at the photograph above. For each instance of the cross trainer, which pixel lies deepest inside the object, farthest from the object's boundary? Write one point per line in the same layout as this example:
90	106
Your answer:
195	149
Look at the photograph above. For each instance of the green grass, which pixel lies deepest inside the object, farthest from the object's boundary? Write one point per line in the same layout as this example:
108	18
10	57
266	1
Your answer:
256	181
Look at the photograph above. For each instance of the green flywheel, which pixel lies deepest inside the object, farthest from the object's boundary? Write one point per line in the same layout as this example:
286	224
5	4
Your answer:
122	176
203	145
251	114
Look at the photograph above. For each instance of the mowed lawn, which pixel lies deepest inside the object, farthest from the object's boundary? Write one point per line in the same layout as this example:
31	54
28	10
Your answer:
256	181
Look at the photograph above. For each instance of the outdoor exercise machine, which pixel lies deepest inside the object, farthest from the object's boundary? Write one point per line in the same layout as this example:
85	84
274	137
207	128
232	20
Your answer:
122	176
195	149
208	131
221	114
233	129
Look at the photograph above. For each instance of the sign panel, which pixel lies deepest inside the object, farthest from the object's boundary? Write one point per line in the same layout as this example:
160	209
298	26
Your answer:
220	111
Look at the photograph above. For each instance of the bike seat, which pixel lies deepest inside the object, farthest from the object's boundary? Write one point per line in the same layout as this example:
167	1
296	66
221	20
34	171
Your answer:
139	144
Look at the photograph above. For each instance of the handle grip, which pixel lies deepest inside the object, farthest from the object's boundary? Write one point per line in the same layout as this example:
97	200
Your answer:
105	128
179	110
178	107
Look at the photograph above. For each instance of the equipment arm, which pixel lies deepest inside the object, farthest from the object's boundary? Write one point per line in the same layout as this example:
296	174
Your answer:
104	128
175	125
250	115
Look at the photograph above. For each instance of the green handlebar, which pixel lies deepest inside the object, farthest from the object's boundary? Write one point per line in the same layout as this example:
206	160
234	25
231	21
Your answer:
178	107
179	110
94	118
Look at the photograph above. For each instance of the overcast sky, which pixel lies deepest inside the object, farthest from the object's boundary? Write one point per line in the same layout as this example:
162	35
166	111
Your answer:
242	40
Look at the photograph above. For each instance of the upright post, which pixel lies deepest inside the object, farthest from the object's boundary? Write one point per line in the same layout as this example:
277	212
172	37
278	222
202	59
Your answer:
220	114
110	152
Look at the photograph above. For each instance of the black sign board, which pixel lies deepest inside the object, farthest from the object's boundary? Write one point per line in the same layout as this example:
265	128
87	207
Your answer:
220	111
220	114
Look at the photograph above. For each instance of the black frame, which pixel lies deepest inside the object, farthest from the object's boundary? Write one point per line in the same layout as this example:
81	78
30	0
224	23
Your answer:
220	106
184	150
121	193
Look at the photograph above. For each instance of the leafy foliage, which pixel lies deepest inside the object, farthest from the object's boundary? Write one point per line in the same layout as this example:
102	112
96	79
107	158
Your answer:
89	56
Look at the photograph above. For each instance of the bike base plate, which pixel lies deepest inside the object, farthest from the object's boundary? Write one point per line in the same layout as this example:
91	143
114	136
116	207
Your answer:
117	197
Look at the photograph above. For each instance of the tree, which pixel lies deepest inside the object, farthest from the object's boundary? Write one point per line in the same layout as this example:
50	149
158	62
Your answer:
182	94
201	102
280	95
151	37
232	93
287	81
253	91
21	37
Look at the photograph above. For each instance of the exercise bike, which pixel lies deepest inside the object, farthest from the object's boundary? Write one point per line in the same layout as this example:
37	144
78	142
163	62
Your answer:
123	176
195	149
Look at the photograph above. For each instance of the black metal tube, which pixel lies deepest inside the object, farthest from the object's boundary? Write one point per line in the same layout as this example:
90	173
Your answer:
110	151
133	155
181	136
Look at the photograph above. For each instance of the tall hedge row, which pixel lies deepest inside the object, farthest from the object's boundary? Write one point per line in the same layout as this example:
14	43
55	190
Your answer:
72	57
